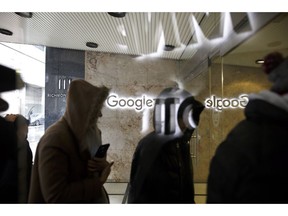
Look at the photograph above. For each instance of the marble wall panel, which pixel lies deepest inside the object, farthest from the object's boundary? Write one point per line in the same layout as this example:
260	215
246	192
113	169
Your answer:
127	76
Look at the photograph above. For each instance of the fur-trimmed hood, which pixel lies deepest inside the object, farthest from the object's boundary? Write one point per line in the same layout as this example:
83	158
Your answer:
84	102
271	97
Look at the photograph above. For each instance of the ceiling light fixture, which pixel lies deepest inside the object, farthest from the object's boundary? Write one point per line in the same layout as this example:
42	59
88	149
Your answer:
91	44
259	61
169	47
6	32
117	14
25	14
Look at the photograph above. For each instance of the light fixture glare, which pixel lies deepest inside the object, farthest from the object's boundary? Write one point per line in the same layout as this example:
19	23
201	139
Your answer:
91	44
117	14
6	32
259	61
169	47
25	14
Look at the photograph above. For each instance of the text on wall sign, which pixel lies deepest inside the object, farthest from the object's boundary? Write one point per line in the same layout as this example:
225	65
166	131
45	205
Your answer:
226	103
139	104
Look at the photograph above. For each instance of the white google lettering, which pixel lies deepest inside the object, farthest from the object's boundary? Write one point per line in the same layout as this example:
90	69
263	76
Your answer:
139	104
223	103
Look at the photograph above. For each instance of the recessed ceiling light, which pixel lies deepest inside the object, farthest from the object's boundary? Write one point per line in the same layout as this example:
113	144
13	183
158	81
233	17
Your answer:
91	44
25	14
117	14
6	32
169	47
259	61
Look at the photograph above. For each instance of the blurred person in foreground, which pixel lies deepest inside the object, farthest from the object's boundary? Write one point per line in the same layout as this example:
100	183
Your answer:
162	170
25	155
9	80
250	165
65	169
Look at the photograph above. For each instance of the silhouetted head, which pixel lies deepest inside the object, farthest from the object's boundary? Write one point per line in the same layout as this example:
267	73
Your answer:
21	125
276	66
176	111
271	61
9	80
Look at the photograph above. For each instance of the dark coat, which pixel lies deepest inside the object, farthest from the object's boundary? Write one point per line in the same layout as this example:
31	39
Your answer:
60	173
250	165
8	163
25	159
161	171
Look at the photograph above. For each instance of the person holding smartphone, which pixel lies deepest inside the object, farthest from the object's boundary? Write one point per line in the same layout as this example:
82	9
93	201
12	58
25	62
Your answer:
65	167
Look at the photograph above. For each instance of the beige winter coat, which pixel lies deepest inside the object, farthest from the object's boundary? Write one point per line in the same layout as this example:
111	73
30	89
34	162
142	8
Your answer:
60	173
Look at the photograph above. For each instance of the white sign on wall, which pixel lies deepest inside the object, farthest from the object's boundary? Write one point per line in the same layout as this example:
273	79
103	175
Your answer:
145	102
218	104
138	104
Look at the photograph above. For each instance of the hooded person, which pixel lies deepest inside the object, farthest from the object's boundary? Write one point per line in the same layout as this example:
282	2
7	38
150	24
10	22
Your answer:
9	80
162	170
250	165
62	170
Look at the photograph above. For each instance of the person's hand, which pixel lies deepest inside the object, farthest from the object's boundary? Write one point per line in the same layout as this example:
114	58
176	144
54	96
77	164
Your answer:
105	173
97	164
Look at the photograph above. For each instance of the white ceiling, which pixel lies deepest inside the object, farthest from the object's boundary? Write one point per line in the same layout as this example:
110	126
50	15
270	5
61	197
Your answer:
145	33
272	37
72	30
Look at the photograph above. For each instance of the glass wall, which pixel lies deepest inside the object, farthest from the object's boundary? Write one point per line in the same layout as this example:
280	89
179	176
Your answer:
29	61
229	79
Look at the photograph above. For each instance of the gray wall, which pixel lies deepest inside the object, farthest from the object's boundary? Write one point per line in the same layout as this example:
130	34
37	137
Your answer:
62	66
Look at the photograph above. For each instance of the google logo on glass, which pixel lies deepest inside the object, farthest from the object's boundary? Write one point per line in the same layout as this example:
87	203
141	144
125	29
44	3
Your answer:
223	103
139	104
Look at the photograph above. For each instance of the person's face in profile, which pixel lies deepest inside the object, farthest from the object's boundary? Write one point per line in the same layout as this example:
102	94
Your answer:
93	119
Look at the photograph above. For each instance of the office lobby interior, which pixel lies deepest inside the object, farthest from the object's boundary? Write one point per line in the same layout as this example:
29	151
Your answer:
214	56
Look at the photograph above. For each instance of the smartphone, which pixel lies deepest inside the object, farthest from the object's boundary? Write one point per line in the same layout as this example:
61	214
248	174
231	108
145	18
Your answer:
102	150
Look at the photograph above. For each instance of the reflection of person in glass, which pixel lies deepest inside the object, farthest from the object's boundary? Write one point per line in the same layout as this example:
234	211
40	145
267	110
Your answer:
162	169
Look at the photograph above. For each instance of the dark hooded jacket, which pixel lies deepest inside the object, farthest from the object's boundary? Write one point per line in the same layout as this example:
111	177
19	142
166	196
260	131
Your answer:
162	170
9	80
60	173
8	163
250	165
